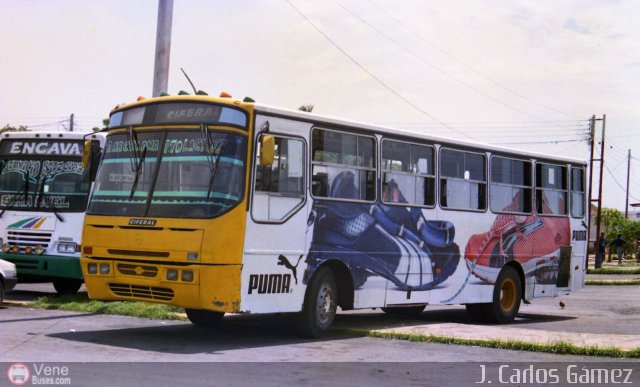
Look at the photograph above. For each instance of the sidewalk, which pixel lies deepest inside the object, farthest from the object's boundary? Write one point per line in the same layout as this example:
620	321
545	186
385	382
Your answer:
596	316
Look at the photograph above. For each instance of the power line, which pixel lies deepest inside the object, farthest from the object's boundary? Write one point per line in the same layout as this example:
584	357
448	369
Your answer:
419	36
372	75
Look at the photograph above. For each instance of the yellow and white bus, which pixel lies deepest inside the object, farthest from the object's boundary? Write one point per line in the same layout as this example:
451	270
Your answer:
223	206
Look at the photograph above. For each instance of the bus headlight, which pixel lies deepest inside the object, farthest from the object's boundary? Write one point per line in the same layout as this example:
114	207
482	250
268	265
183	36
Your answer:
28	250
187	276
39	250
92	268
14	249
172	275
67	247
5	248
105	268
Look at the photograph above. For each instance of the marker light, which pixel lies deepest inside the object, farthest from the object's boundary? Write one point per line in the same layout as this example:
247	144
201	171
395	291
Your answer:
192	256
141	98
200	92
15	249
182	92
248	99
164	94
172	274
39	250
105	268
92	268
187	276
5	248
27	250
224	94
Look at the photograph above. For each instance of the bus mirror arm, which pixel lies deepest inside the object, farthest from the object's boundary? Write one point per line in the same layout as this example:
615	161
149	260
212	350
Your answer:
267	150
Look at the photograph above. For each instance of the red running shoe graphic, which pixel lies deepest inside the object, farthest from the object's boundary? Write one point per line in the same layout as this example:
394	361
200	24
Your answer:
533	241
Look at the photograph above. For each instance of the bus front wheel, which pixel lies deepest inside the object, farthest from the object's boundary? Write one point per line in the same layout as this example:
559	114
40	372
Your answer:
204	318
67	286
320	304
507	294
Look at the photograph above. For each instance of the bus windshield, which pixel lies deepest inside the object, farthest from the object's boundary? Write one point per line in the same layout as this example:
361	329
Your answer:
37	184
170	173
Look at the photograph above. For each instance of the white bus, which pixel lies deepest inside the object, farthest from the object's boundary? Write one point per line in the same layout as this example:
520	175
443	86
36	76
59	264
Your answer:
44	193
239	207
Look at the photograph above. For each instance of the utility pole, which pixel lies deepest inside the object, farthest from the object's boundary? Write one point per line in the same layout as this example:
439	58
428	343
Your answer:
601	161
163	47
626	203
71	123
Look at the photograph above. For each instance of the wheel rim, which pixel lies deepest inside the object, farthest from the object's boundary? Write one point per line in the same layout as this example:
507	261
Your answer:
326	304
508	295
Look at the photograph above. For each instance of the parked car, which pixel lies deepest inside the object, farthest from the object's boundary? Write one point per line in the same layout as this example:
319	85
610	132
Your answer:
8	278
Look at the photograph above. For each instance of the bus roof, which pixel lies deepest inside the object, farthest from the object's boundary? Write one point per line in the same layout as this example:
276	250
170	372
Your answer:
345	123
310	117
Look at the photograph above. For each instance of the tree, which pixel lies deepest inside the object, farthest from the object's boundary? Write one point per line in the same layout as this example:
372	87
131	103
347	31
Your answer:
9	128
105	125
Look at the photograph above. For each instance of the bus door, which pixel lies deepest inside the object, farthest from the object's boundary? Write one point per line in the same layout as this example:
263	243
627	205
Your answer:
275	247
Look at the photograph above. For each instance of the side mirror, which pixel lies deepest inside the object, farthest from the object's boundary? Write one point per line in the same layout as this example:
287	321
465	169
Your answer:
267	150
86	154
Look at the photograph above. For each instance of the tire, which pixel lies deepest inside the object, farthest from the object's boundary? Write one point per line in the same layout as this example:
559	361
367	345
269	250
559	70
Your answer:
405	311
67	286
1	291
320	305
507	295
204	318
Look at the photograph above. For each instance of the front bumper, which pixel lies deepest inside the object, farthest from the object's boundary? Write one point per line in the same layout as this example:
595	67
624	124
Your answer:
45	266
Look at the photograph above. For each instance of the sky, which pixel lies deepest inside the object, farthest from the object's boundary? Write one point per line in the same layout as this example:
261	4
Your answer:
522	74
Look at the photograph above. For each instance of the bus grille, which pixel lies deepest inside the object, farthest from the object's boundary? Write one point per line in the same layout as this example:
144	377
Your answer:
137	291
564	274
137	253
28	238
138	270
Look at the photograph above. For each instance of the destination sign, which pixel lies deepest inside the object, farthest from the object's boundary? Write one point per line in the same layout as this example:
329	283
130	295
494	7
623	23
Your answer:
180	113
41	147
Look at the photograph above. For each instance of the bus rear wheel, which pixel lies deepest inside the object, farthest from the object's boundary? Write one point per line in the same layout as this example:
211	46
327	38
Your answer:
204	318
320	305
67	286
507	295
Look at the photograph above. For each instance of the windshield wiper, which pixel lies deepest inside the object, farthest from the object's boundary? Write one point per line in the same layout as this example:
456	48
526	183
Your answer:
40	200
133	159
137	170
213	160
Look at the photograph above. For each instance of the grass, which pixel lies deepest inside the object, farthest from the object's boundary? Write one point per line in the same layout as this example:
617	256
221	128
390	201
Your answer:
80	302
613	270
560	348
612	282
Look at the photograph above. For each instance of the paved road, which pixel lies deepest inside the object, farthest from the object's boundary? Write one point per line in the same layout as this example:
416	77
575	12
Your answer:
51	337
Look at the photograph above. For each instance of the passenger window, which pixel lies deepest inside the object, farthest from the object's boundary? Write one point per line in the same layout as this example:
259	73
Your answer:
551	189
463	181
511	186
343	166
408	173
577	192
279	187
